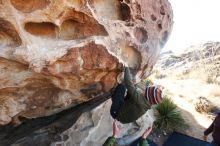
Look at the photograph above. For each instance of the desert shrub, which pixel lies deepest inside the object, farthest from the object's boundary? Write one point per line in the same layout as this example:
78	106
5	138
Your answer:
203	105
158	75
210	80
176	57
169	117
186	72
148	82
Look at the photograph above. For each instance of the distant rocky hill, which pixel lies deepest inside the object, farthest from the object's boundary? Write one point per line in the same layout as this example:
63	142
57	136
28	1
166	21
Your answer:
199	61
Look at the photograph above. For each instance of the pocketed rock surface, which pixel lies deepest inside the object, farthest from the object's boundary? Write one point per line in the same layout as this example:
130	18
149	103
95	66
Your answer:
54	54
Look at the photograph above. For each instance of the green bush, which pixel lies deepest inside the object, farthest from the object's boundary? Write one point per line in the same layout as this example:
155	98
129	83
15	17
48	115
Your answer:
168	117
176	57
148	82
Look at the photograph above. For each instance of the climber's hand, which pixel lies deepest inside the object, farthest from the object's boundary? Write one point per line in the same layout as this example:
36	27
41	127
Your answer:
125	64
146	132
116	130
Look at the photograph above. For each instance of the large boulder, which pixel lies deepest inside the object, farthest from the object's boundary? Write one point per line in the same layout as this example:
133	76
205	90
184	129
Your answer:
56	53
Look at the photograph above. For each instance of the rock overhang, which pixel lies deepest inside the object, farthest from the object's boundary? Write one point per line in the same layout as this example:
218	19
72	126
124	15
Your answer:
60	52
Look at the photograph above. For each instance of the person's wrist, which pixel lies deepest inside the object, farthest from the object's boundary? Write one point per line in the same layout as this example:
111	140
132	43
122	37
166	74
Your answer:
114	135
144	136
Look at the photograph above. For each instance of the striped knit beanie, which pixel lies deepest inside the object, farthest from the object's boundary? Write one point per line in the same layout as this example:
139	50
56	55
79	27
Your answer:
154	95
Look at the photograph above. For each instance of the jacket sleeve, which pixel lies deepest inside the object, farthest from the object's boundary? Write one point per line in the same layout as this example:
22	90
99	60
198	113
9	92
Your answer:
111	141
210	129
143	142
131	88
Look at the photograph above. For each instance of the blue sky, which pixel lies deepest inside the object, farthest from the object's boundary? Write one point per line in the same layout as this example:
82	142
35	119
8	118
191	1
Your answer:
195	21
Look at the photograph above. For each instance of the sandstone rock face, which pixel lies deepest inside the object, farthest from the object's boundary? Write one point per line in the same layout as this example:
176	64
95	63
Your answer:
91	129
56	54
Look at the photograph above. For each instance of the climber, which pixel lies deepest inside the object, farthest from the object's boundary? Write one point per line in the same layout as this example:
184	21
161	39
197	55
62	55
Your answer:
214	128
111	141
128	108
